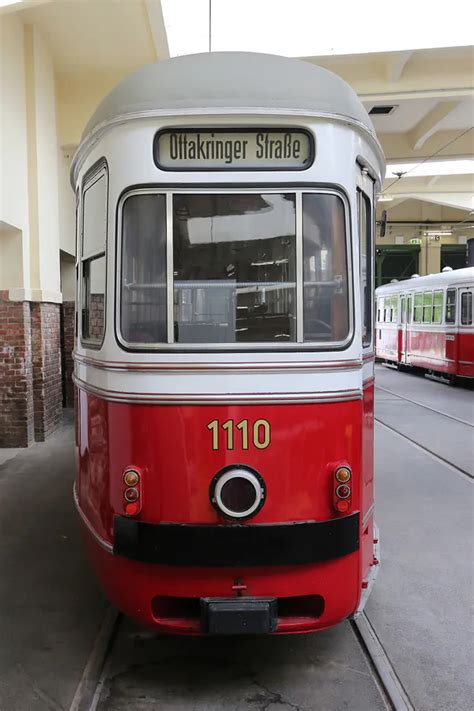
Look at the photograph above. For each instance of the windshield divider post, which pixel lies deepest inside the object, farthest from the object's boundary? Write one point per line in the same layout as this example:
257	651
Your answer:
169	269
299	268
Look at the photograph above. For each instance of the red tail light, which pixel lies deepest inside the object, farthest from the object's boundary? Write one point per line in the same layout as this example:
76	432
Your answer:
342	491
132	492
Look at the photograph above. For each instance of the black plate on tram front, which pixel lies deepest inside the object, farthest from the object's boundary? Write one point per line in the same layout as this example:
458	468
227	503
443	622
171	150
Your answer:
238	615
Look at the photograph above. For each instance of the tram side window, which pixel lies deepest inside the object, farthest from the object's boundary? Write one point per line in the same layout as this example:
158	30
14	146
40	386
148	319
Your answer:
380	309
437	306
93	262
143	278
325	291
409	302
365	236
466	308
451	306
394	311
418	308
427	306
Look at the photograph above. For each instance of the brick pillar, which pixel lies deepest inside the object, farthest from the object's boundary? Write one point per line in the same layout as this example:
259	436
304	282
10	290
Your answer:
47	385
67	346
16	373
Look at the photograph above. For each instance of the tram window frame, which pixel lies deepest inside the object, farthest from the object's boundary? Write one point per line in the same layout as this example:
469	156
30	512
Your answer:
365	220
466	308
394	312
379	308
409	308
437	314
417	307
403	306
299	344
427	306
450	308
99	171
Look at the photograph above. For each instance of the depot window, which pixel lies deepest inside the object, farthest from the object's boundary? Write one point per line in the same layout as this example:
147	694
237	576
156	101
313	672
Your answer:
218	269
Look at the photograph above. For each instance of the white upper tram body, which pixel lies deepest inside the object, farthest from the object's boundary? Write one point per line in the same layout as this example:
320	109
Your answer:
237	94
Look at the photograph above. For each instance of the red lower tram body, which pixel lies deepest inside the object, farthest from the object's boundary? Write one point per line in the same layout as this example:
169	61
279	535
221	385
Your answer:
440	351
158	564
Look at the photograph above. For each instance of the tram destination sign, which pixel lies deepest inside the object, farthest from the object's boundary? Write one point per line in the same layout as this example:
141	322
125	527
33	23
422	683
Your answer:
234	149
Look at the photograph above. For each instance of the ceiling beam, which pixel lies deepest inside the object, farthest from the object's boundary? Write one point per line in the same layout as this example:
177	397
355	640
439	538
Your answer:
430	123
17	5
458	200
462	92
390	204
157	28
397	65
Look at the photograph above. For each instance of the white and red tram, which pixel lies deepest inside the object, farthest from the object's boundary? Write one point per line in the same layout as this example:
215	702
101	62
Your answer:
426	322
224	355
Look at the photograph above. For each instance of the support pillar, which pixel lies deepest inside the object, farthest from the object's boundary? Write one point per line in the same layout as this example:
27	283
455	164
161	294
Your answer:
16	374
46	358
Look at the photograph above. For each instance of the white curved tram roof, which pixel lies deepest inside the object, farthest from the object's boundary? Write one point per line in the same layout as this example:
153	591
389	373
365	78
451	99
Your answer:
228	82
456	277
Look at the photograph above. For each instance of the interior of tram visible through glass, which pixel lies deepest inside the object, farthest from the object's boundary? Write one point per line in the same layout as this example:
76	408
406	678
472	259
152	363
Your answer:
234	269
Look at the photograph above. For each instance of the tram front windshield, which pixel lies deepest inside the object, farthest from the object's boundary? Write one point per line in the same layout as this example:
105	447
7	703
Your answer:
233	267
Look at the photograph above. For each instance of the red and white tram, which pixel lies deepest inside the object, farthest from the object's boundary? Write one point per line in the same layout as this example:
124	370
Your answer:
426	322
224	355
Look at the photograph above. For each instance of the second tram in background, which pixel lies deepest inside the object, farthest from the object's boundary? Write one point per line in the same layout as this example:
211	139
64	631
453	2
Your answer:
426	323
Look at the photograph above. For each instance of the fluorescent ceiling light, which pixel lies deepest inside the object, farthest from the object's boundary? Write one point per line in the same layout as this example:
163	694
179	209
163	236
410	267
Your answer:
305	28
412	169
384	198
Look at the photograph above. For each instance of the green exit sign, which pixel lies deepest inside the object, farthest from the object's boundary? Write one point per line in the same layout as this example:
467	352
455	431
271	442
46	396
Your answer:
415	241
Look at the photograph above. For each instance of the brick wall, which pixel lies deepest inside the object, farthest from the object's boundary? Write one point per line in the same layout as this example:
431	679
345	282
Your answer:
67	346
47	381
16	373
96	317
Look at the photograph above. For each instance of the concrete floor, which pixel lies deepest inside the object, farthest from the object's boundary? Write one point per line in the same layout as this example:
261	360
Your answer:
50	606
420	607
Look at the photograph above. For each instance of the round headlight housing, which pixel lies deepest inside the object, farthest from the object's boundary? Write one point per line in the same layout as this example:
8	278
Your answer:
237	492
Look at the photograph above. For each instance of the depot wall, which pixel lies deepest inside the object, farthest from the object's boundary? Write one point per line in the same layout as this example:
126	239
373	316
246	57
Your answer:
31	389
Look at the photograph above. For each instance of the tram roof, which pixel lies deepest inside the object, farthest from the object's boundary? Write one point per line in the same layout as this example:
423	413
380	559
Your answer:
229	81
456	276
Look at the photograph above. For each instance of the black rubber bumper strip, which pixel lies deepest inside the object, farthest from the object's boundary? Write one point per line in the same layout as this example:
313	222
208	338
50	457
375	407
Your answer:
236	544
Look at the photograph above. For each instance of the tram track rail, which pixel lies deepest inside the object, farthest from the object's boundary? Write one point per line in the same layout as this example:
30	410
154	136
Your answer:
97	670
427	407
461	472
91	683
385	677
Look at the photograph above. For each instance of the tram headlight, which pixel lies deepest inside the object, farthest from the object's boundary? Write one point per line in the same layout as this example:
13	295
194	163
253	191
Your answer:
237	492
